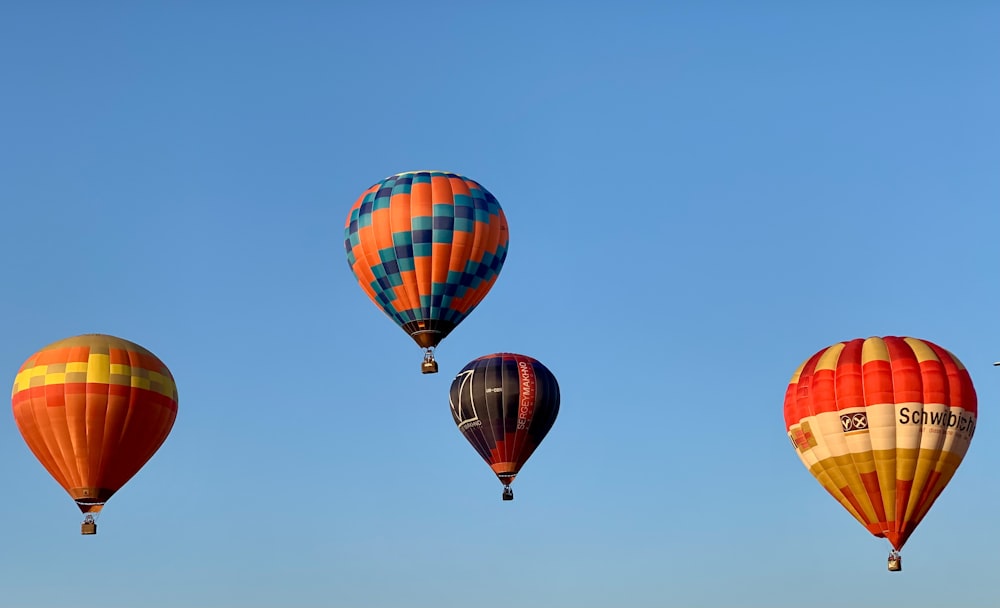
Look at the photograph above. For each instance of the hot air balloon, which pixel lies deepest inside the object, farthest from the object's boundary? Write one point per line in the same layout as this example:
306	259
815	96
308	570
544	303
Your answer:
504	404
882	424
426	246
93	409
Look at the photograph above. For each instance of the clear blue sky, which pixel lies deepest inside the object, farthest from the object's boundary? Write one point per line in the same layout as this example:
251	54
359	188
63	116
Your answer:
700	196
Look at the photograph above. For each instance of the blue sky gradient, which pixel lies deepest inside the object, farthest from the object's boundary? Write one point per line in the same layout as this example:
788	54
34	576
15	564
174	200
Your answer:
700	196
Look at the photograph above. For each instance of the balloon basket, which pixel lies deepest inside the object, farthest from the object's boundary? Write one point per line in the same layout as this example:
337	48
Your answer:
508	493
88	527
429	366
895	563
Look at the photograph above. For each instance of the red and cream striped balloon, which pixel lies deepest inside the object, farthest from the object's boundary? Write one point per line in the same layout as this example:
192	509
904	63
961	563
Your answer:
882	424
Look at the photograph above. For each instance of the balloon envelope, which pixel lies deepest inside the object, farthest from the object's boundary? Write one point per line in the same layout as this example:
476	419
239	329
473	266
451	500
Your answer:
882	424
504	404
426	246
93	409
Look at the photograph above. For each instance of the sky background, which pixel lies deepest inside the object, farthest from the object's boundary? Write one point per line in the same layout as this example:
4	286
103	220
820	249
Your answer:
700	196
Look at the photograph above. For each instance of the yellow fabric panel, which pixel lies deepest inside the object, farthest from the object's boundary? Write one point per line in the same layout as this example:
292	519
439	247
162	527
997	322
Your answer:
848	467
98	368
55	378
926	461
906	463
921	350
874	349
947	466
863	460
831	477
24	378
830	357
885	468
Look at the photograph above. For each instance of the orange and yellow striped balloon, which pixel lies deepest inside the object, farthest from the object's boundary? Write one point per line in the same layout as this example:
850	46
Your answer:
882	424
93	409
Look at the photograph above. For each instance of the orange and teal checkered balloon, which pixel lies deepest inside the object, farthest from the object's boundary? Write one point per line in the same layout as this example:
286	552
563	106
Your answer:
426	246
